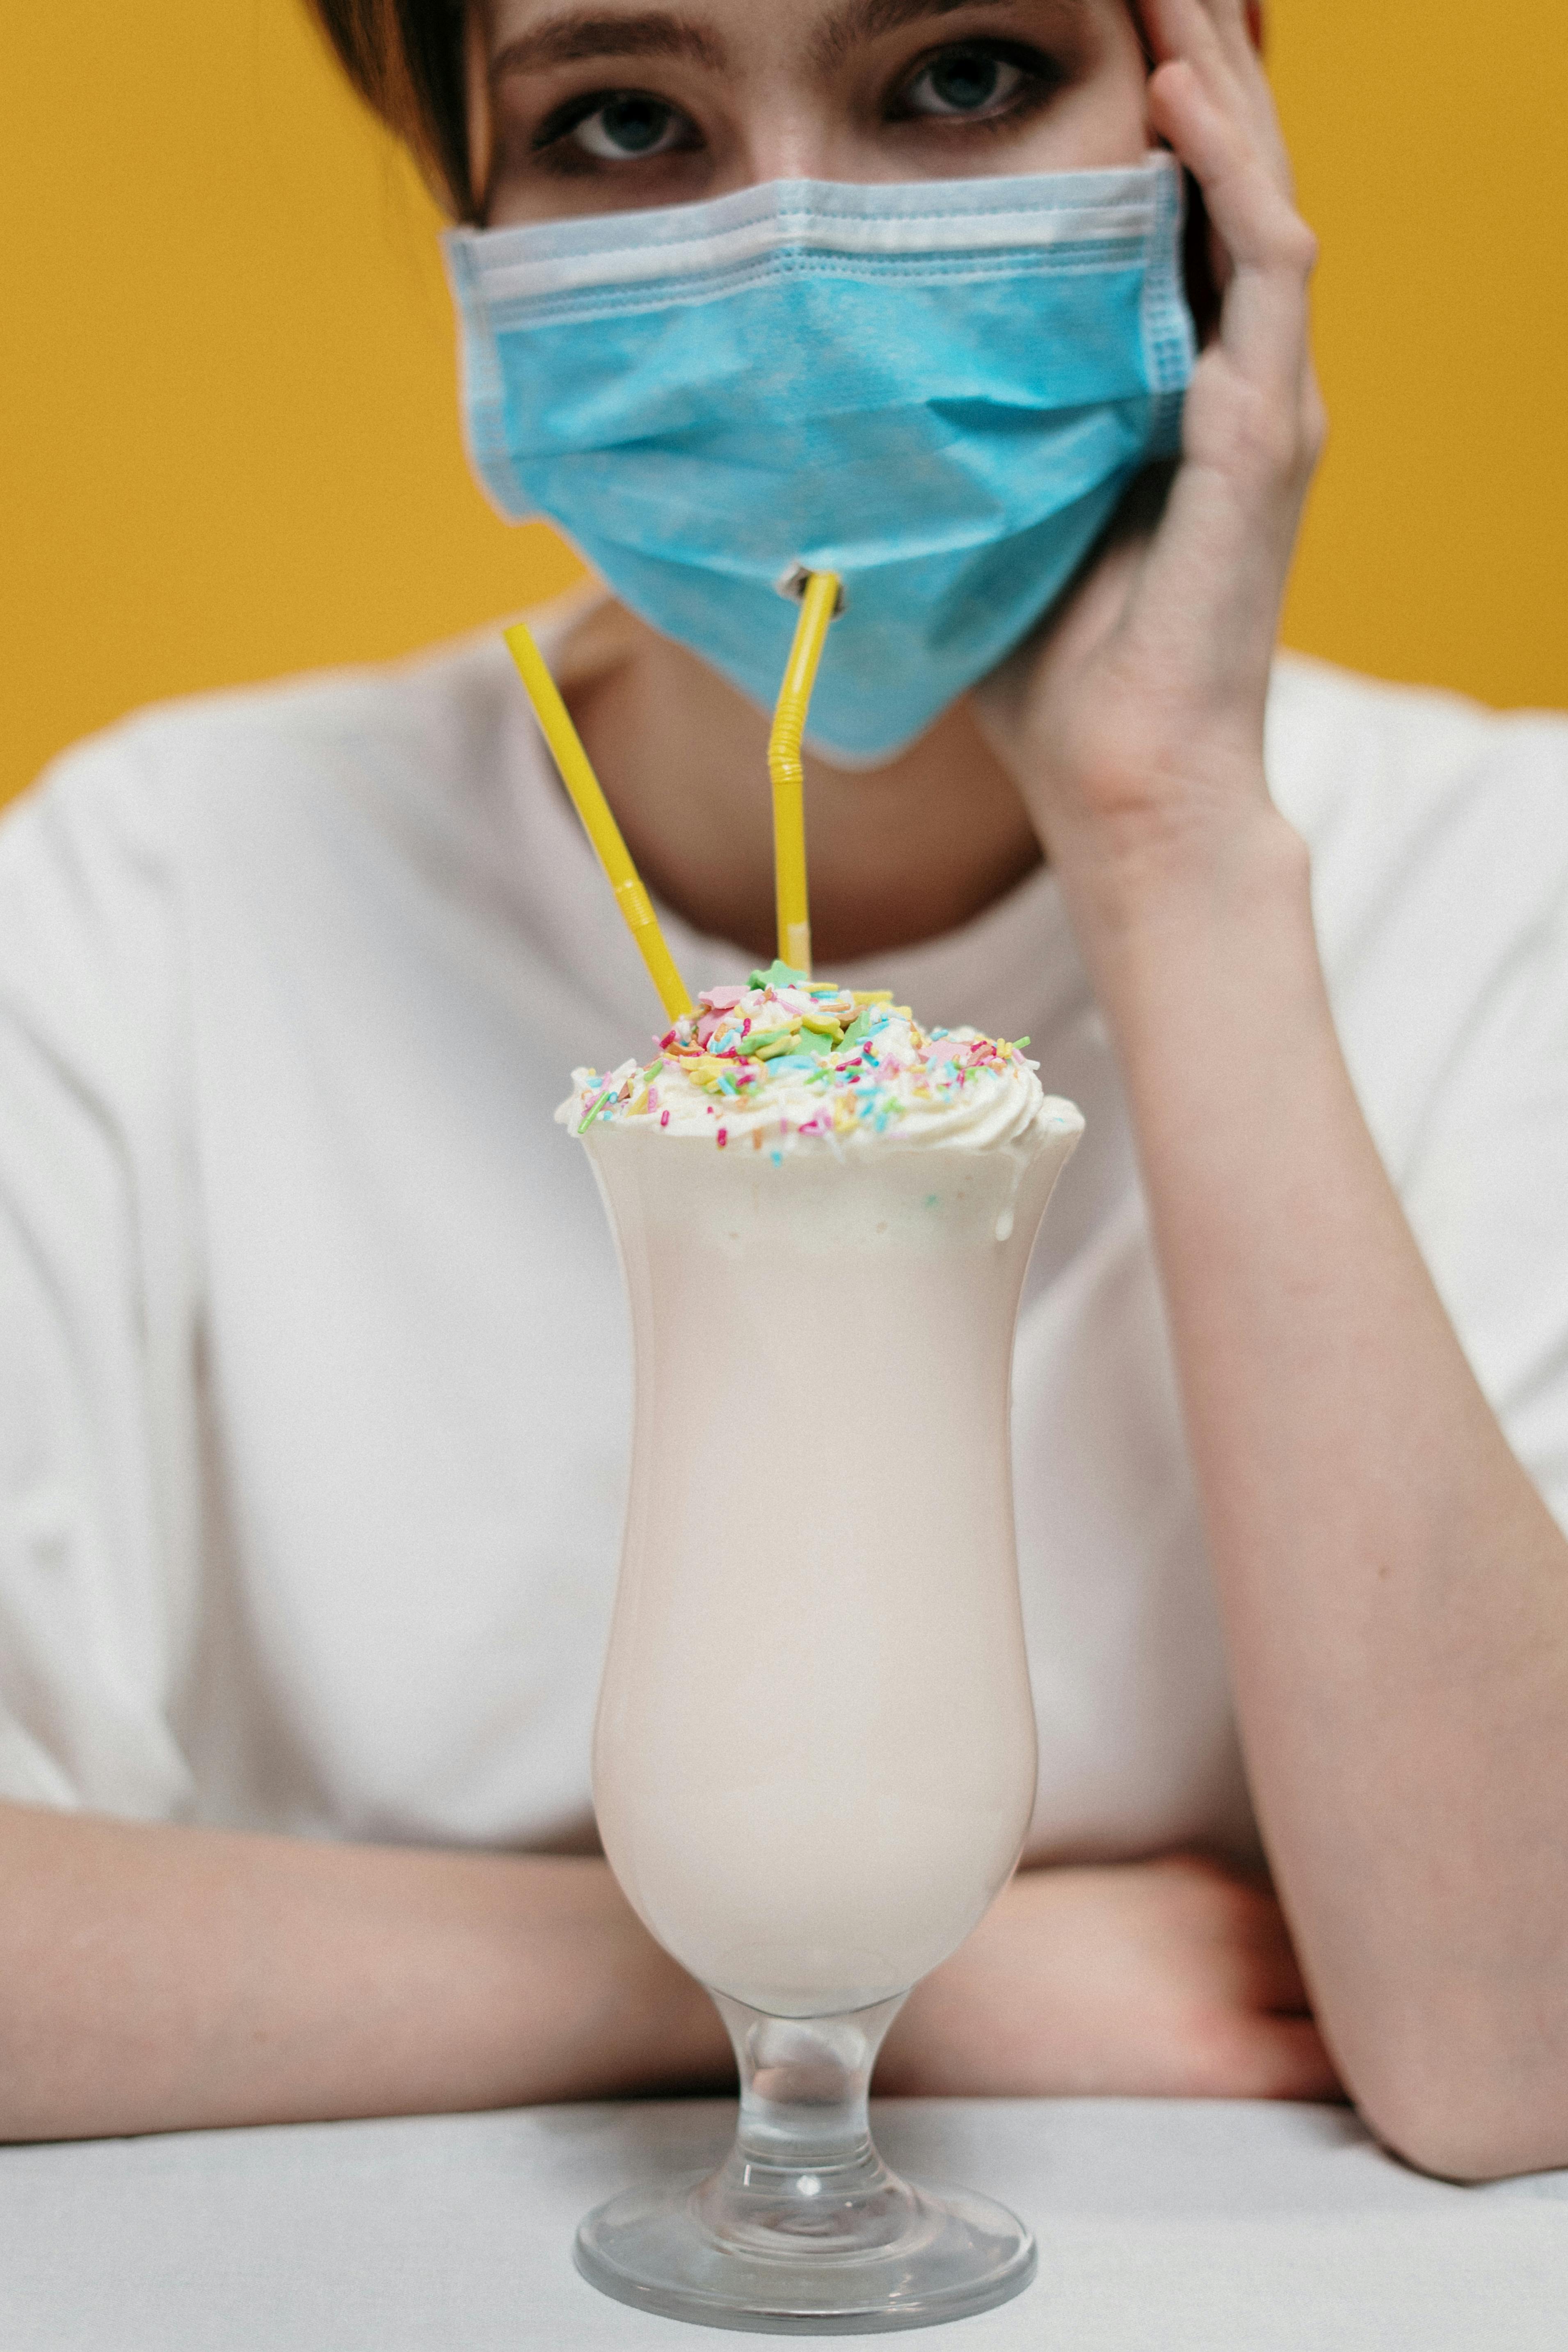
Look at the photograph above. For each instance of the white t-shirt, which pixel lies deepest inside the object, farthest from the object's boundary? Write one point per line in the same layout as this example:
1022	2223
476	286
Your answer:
314	1374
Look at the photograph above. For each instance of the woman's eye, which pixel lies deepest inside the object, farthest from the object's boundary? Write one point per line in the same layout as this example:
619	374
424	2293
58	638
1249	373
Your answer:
626	127
964	81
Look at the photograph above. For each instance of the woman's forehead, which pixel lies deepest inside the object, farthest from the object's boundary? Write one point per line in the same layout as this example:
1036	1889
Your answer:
542	33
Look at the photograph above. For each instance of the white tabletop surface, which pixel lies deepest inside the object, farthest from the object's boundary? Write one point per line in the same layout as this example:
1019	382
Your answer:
1163	2226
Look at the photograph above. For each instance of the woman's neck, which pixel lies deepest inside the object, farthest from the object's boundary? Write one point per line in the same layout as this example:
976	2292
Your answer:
896	855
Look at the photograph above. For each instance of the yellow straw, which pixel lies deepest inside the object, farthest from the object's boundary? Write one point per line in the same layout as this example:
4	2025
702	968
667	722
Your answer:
818	604
565	744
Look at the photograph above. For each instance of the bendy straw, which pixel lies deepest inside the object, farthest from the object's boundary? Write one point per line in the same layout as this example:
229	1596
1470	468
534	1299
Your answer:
820	600
577	775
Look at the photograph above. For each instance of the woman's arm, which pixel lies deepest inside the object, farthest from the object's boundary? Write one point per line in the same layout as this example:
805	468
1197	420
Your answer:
1395	1593
166	1978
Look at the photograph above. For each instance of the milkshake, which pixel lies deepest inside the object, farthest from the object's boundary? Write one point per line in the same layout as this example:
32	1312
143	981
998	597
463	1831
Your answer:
815	1754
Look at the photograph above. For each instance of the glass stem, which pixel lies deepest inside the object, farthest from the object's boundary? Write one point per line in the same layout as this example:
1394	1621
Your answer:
803	2155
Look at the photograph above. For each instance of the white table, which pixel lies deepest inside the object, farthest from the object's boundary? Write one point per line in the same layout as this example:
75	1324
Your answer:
1164	2226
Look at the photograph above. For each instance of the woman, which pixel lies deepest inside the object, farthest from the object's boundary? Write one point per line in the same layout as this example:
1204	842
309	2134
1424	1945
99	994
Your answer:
314	1383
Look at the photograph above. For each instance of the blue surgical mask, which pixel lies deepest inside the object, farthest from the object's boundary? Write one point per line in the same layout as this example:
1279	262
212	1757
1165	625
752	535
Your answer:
938	392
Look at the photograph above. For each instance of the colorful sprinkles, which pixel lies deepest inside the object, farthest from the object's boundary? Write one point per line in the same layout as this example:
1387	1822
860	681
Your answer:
847	1060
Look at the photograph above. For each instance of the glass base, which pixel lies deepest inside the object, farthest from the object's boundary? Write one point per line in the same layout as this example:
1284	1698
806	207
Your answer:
803	2229
954	2254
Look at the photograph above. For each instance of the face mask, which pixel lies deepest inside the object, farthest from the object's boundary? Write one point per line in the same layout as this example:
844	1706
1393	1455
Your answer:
938	392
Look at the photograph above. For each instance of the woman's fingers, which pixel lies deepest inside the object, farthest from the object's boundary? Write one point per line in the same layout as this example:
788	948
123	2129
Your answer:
1271	250
1264	2058
1240	1947
1249	2032
1145	697
1269	1976
1253	422
1253	419
1212	35
1210	98
1190	31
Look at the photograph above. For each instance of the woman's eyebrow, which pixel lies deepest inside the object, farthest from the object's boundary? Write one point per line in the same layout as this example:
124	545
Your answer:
845	27
568	39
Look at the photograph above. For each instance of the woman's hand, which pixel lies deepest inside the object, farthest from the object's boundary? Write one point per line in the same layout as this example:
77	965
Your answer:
1164	1979
1393	1591
1133	725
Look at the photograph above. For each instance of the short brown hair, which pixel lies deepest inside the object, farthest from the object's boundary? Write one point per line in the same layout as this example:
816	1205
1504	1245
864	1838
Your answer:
405	59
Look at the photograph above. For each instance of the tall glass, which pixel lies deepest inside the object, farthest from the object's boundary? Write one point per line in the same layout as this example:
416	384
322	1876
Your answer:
814	1757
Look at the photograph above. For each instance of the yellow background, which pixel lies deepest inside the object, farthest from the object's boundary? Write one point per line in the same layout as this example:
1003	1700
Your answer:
228	444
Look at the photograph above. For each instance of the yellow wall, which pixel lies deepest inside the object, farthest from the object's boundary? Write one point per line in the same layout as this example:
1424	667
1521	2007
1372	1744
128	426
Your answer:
227	435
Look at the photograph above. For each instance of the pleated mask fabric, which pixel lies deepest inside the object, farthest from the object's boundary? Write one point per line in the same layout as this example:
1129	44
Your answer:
939	391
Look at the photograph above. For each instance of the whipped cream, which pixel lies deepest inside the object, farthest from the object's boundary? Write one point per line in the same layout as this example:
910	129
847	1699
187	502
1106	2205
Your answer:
788	1064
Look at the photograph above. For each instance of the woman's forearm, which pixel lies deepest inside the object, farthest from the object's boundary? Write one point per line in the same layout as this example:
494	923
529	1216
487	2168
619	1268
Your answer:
164	1979
1395	1592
